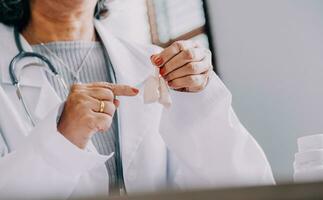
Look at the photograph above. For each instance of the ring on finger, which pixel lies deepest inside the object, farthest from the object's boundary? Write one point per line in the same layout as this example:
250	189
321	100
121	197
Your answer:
102	106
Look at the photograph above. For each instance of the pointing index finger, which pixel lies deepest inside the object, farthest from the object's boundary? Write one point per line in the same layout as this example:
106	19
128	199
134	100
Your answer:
124	90
117	89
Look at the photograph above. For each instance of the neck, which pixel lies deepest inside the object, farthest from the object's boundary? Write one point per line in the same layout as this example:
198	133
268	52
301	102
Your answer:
60	20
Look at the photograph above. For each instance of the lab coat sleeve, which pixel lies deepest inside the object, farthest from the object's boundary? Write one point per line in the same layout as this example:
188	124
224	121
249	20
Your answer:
46	165
208	146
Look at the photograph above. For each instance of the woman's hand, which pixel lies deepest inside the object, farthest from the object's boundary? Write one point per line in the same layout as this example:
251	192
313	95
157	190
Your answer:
84	114
185	65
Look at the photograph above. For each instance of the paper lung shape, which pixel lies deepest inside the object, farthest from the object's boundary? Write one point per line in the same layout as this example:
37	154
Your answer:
156	89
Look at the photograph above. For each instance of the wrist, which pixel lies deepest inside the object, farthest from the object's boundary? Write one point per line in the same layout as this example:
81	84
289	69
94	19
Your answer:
76	137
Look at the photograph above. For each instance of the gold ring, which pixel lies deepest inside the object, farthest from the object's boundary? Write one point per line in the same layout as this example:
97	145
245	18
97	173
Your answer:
101	106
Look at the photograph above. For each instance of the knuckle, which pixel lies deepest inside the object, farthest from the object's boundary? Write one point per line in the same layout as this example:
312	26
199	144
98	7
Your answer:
189	54
77	98
192	67
109	93
204	81
193	79
100	83
179	44
75	87
70	98
104	92
111	107
199	88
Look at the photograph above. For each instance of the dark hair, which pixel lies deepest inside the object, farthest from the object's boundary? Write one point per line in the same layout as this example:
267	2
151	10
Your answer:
17	12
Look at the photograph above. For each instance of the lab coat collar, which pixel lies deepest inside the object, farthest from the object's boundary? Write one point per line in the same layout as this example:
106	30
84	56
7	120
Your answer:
123	58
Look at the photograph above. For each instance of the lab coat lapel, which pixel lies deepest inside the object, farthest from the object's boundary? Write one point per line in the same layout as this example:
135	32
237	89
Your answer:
134	116
39	95
123	58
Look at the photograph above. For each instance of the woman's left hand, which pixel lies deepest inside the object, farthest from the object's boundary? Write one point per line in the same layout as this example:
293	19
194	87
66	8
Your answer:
185	65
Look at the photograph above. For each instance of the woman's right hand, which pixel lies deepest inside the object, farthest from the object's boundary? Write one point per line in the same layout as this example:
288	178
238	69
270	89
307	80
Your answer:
81	117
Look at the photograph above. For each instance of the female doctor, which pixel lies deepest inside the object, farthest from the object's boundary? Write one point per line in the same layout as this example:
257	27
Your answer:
100	136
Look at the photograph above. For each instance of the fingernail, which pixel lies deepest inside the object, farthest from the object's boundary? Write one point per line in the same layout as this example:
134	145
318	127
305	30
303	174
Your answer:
162	71
152	57
135	90
116	102
158	61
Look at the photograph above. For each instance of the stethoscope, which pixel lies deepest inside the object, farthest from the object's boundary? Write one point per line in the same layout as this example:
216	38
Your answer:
14	79
15	82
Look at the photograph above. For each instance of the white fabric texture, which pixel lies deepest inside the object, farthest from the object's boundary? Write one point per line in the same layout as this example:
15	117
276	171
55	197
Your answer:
157	90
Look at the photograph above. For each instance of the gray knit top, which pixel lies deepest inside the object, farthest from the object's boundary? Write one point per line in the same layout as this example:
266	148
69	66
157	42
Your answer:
94	69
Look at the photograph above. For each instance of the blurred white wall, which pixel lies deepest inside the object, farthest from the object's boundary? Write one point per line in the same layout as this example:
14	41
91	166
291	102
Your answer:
129	19
270	55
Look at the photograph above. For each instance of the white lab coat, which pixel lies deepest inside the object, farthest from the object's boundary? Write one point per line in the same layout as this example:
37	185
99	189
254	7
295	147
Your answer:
198	142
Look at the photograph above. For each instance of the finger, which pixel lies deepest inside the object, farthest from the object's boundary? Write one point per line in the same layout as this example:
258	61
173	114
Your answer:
188	81
103	121
171	51
124	90
99	93
192	68
77	86
184	57
108	107
118	90
199	87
